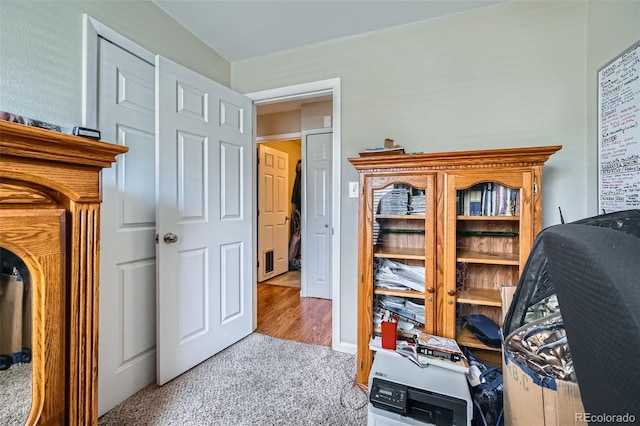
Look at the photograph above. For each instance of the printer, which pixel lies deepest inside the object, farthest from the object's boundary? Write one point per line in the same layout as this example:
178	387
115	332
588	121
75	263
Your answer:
403	393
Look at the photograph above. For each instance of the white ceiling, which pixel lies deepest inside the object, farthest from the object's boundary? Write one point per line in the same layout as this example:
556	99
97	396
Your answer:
242	29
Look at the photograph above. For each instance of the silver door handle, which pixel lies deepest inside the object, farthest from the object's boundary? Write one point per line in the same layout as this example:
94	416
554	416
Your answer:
170	238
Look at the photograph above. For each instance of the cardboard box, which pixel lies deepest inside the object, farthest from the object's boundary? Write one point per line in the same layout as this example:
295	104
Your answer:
532	400
11	314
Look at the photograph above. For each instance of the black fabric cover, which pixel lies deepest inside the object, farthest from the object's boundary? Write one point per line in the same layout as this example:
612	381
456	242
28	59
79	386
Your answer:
593	266
596	273
535	285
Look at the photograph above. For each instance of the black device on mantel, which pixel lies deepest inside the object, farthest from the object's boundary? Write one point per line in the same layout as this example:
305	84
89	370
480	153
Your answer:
86	132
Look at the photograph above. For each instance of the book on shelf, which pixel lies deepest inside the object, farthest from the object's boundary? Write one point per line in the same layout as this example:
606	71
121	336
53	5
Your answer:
475	202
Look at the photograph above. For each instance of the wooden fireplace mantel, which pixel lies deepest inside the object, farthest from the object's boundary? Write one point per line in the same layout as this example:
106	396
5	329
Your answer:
50	199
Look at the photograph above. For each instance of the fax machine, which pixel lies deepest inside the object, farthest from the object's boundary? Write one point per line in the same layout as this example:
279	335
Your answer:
402	393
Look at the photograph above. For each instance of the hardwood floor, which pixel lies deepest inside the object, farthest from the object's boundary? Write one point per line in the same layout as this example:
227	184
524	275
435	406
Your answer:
282	313
289	279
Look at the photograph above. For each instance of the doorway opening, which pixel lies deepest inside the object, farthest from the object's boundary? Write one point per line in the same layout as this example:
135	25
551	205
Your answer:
321	101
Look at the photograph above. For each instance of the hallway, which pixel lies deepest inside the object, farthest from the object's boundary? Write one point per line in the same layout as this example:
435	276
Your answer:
282	313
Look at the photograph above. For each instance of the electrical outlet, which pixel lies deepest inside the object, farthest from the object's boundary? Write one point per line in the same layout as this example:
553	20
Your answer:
353	189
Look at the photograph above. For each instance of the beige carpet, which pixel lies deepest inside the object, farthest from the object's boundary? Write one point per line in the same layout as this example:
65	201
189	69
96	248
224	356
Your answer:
288	279
15	395
259	381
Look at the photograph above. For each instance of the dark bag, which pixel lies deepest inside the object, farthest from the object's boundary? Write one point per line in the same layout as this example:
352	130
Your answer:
488	395
485	330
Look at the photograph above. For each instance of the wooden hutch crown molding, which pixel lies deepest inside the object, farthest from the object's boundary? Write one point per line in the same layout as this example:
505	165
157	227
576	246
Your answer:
49	216
492	158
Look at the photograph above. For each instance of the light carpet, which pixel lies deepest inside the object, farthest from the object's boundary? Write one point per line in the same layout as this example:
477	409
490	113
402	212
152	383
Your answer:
260	380
15	395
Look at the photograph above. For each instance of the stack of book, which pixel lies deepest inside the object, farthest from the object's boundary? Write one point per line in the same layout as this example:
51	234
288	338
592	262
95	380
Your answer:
445	353
488	199
428	350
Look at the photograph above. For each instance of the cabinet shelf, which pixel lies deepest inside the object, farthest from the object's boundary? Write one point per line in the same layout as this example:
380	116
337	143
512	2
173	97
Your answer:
491	218
400	216
400	253
465	338
488	258
402	293
480	296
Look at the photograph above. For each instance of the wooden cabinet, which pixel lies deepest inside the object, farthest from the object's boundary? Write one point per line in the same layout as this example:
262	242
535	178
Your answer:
49	217
464	220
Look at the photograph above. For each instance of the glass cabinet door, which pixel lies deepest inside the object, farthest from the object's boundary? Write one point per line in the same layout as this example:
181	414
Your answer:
402	240
488	242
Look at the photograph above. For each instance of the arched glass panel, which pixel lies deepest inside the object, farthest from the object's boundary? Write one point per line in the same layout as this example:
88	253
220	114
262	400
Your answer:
15	339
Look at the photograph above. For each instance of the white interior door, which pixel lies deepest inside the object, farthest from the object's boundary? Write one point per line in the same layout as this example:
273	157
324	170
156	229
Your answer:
273	212
126	116
205	263
316	213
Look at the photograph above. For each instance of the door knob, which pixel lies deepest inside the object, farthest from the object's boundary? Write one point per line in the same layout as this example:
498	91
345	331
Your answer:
170	238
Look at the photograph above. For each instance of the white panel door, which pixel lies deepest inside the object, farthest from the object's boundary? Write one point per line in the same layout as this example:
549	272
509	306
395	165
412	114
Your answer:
316	250
126	116
273	212
205	271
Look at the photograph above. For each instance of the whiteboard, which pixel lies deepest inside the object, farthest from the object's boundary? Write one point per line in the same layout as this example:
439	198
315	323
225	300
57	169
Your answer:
619	132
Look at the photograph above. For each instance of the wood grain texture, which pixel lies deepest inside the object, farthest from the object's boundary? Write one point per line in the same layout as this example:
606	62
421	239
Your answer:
492	261
45	175
44	259
282	313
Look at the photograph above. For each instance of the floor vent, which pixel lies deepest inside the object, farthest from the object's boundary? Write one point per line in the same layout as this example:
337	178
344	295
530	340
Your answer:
268	262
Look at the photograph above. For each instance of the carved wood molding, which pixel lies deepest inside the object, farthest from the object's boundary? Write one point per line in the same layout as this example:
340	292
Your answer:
41	169
477	159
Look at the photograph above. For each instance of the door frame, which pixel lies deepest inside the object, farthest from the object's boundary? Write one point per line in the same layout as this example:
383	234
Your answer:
301	91
92	30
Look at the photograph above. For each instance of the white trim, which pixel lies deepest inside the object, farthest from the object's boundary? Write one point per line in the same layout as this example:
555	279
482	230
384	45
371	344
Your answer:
92	31
301	91
280	137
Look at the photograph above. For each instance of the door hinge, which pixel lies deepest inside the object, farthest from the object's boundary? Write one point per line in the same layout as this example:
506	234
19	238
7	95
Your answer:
258	263
535	187
258	212
361	278
157	239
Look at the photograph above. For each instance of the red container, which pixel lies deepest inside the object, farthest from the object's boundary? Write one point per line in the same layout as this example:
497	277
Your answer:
389	330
